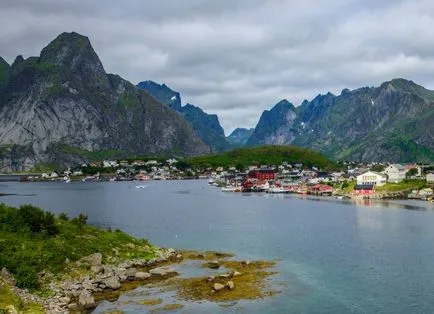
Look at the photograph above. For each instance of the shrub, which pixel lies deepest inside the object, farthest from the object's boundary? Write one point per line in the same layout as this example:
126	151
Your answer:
80	220
63	216
26	277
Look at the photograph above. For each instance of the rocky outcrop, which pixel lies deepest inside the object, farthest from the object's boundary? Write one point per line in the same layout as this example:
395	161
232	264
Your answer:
64	103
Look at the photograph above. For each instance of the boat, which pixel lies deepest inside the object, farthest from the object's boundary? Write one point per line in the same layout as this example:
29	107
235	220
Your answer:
232	189
277	190
211	182
140	186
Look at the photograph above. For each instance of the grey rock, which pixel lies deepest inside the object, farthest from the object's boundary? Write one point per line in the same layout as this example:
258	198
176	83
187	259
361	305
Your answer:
142	275
112	283
93	259
230	285
86	300
218	286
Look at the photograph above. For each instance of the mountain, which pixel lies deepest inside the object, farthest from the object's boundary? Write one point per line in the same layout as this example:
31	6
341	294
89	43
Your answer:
206	126
276	126
391	122
239	136
163	94
63	102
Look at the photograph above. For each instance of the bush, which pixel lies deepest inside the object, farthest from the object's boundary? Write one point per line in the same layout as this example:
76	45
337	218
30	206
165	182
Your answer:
63	216
80	220
26	277
27	219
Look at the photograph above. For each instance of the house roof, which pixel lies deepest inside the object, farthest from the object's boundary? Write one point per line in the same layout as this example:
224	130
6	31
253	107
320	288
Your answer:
375	172
364	187
398	166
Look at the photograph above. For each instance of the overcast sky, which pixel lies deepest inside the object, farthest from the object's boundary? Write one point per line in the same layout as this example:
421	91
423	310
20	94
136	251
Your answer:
238	58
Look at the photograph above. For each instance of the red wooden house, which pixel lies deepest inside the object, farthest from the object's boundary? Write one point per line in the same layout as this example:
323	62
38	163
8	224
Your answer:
262	174
364	189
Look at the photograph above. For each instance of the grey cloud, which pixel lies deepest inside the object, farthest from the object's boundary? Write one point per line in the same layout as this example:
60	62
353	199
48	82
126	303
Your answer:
237	58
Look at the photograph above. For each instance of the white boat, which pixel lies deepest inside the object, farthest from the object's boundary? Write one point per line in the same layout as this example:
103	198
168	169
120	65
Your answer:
140	186
231	189
68	180
211	182
276	190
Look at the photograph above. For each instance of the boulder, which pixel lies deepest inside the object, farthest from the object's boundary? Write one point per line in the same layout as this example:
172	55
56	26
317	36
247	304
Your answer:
230	285
140	275
112	283
161	271
65	300
213	264
11	309
73	306
97	269
86	300
130	273
218	286
236	273
93	259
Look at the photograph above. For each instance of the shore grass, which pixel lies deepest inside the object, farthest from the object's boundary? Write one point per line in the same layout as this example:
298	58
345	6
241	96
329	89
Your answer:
52	247
8	298
405	185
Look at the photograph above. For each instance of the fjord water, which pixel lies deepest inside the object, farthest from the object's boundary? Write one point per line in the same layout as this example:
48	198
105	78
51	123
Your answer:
334	256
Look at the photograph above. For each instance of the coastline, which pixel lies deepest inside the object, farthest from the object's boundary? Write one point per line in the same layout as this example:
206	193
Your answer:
118	263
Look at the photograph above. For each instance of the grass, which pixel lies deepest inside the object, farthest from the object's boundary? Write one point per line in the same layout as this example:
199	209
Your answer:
265	155
91	155
27	253
404	185
127	99
7	298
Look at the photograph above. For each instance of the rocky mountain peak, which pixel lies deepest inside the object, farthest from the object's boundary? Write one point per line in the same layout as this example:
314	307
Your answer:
75	52
162	93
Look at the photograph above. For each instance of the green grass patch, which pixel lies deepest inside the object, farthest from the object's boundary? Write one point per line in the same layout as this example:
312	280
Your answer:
7	297
91	155
265	155
30	243
404	185
127	99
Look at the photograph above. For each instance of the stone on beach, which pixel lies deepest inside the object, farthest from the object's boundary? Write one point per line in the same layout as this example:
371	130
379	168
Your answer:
218	286
230	284
140	275
86	300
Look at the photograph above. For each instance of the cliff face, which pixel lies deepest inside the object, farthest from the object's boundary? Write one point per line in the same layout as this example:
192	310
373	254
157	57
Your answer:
206	126
275	127
239	136
392	122
65	99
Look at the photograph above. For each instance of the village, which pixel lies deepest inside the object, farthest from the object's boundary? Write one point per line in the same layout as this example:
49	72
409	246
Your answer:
353	180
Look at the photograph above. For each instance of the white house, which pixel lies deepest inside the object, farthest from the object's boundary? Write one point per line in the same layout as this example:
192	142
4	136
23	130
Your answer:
109	163
395	173
430	177
371	178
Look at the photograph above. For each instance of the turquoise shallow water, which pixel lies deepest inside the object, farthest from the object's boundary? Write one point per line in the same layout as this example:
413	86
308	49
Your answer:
335	256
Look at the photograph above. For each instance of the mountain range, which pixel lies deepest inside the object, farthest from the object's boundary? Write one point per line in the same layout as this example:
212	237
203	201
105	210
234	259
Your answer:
391	122
62	105
63	108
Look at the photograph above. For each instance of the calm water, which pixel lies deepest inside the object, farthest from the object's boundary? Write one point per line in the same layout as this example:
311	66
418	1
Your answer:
335	256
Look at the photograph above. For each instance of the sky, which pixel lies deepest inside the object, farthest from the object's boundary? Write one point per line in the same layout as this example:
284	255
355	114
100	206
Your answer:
238	58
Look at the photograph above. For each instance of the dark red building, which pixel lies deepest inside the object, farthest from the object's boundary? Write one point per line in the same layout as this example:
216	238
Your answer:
364	189
263	174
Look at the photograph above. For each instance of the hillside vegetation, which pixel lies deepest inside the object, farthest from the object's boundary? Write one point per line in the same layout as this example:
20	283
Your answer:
265	155
32	240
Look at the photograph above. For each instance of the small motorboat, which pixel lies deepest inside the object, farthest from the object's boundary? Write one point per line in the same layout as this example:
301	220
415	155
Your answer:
140	186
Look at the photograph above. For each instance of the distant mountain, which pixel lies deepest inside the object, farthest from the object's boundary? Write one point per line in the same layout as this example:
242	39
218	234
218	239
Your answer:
392	122
162	93
276	126
206	126
59	104
239	136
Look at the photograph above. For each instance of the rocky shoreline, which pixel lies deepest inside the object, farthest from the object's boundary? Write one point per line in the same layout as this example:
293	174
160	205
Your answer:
103	281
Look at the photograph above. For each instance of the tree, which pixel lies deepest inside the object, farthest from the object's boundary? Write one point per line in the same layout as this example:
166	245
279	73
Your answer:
410	173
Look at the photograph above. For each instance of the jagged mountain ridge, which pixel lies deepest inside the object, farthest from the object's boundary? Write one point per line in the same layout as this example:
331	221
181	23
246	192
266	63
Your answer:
64	98
392	122
239	136
206	126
